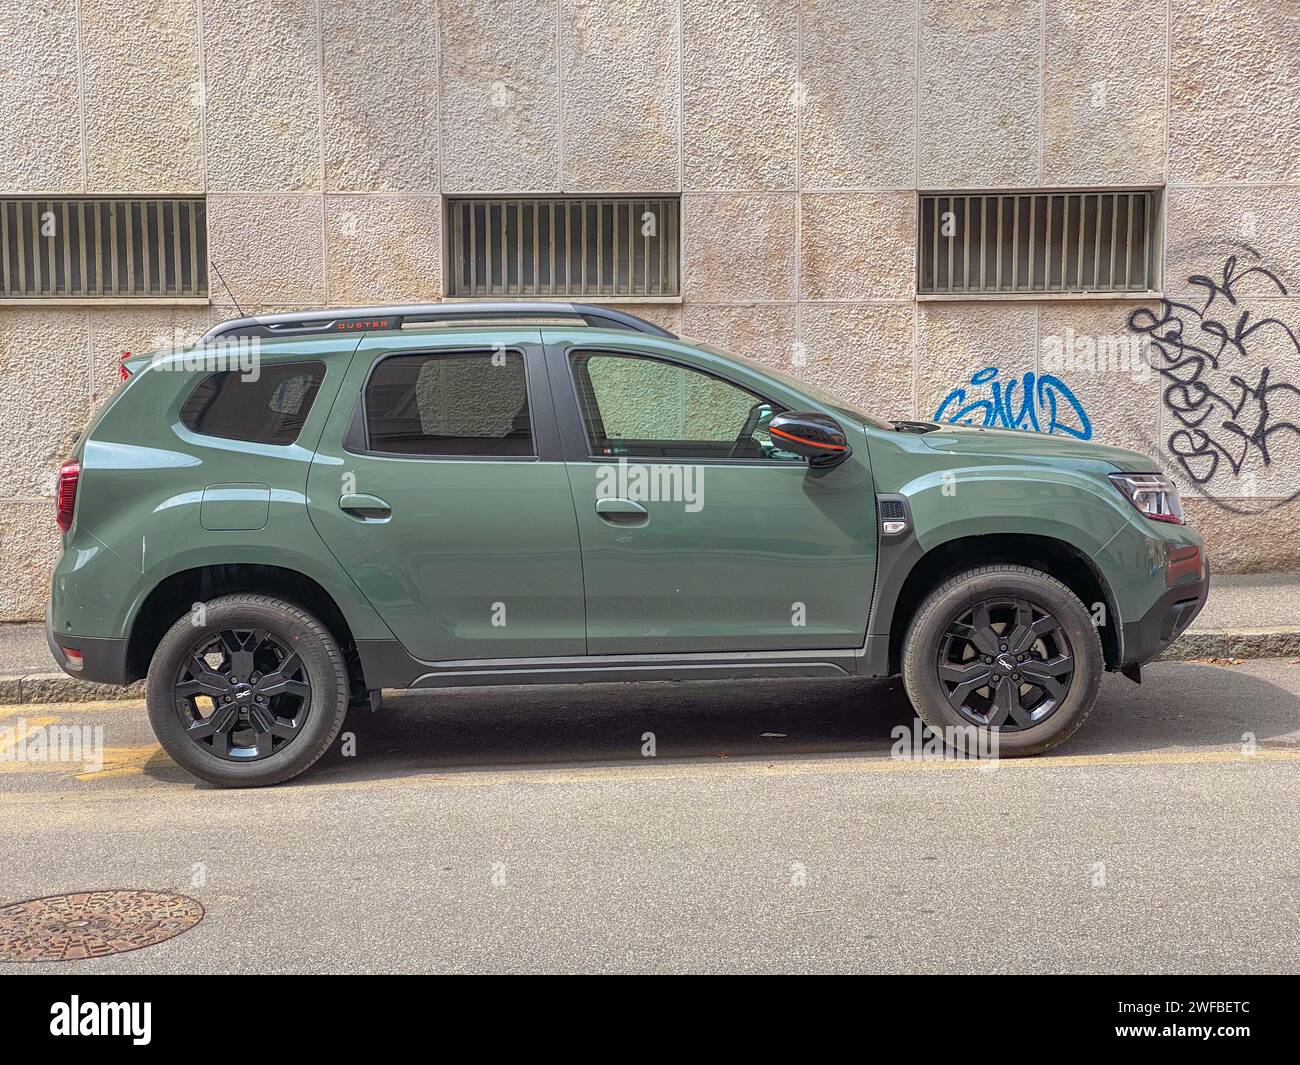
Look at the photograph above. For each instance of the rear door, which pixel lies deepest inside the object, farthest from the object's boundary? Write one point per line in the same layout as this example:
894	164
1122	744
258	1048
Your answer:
698	534
439	487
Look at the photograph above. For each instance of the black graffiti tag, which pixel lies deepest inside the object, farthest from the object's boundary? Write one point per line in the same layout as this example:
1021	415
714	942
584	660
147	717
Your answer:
1224	417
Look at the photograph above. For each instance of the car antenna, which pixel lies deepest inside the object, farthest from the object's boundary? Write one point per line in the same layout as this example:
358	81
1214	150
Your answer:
217	270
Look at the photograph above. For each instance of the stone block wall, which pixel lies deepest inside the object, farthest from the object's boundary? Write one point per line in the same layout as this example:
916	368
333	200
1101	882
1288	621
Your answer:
798	133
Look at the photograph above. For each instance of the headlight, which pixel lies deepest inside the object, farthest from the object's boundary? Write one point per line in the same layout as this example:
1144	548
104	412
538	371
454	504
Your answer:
1154	494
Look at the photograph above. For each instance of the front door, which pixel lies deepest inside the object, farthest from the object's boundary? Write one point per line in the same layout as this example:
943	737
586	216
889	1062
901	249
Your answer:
697	533
444	498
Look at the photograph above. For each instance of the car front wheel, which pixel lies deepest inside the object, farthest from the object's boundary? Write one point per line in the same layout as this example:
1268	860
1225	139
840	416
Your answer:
247	691
1005	654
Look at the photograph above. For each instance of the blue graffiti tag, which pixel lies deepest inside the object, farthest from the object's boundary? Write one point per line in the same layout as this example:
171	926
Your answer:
1045	405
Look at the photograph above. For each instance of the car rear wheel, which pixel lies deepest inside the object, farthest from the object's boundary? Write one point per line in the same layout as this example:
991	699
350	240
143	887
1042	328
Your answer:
247	691
1006	654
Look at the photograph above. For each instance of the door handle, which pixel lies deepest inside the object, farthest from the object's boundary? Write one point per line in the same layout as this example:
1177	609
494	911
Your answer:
366	508
619	511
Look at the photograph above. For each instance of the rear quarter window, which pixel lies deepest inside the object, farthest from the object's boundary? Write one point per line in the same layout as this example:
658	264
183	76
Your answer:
268	409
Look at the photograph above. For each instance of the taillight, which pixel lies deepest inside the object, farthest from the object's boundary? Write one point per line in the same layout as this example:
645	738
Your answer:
121	366
65	499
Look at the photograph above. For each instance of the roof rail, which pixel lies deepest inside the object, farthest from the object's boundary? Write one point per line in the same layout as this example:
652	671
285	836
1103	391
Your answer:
370	319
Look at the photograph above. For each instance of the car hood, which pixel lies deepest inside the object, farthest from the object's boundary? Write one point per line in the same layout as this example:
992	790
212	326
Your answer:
1013	444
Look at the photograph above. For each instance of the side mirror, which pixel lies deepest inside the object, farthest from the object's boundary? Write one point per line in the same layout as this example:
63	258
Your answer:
817	437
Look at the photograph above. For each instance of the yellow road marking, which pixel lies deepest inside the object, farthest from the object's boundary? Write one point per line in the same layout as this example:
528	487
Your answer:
16	737
118	761
756	767
130	760
13	711
123	761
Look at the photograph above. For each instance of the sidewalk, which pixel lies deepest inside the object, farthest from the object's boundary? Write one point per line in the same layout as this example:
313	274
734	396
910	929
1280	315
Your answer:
1254	616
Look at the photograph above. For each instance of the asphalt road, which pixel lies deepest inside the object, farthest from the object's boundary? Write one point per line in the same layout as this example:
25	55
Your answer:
524	829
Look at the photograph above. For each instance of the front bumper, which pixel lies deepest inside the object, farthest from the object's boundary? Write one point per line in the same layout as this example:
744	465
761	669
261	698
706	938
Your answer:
1160	626
102	661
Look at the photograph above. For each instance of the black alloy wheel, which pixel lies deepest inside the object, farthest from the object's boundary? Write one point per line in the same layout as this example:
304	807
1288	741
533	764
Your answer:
242	694
1005	663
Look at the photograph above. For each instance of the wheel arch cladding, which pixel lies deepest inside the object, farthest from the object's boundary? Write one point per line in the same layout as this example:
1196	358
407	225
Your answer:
1057	558
175	596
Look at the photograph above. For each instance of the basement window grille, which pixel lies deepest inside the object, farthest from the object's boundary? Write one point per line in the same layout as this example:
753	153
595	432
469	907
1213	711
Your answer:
623	246
103	248
1011	243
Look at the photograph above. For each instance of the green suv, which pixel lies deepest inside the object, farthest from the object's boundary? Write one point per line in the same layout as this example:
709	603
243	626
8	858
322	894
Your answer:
304	509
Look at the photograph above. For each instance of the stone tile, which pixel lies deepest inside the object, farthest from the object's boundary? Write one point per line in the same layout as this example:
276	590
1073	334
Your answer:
383	249
40	135
665	315
764	333
45	402
114	330
1230	409
1234	93
29	547
738	248
223	310
269	248
957	342
858	246
381	96
1090	349
979	93
142	94
1104	107
1235	535
1228	389
862	353
262	95
739	94
1206	227
500	97
858	120
618	65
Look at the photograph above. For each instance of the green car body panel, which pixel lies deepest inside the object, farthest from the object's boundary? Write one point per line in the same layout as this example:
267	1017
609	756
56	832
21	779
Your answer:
142	492
464	570
463	535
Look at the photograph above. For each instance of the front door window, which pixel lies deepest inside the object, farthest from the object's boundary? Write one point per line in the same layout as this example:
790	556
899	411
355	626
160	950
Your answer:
638	407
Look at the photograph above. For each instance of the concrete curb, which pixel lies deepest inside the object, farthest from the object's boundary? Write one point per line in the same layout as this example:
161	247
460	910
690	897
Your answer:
60	688
1238	643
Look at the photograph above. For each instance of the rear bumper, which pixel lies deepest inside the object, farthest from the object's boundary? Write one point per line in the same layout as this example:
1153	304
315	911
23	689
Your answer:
103	661
1160	626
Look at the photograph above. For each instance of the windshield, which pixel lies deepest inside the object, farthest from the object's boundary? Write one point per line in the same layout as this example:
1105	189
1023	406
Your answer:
809	389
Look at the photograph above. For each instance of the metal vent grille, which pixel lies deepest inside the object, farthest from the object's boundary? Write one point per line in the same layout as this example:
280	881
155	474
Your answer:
1043	242
91	248
566	246
892	509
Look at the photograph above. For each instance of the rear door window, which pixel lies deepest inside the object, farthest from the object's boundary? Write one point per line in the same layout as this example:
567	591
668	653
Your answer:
454	404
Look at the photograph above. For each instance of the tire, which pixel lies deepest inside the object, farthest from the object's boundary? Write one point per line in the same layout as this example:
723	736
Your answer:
267	730
944	654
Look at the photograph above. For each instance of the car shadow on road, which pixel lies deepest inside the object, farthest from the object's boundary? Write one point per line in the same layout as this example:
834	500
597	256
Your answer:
1181	706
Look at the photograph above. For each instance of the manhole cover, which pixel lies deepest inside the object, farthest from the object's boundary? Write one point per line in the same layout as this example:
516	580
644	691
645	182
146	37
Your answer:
92	924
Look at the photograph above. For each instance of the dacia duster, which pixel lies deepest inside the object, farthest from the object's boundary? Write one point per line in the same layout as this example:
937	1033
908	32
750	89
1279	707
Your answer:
304	509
